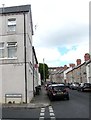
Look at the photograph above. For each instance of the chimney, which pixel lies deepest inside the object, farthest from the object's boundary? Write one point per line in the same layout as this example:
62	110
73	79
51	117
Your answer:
78	61
86	57
59	68
72	65
65	67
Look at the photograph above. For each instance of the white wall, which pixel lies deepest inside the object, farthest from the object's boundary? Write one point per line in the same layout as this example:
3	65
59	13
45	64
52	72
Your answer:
0	84
87	72
13	80
13	70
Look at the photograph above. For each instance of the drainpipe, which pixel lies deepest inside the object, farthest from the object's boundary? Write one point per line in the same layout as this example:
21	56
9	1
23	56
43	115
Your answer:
33	69
25	58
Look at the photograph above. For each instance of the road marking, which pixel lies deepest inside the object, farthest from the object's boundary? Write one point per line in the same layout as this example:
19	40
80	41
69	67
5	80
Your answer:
50	110
42	108
52	114
41	118
42	114
42	111
53	118
50	107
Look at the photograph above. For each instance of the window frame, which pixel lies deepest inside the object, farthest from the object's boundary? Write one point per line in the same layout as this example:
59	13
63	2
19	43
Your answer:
2	48
12	46
11	24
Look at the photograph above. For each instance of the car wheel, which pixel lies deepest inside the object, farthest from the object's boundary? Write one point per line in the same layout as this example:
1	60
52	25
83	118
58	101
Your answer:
67	97
51	98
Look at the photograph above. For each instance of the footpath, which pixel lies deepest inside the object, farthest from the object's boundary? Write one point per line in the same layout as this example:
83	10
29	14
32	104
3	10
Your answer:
40	100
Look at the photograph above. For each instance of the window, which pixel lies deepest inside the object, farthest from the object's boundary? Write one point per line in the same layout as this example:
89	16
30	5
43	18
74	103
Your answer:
12	49
1	50
11	24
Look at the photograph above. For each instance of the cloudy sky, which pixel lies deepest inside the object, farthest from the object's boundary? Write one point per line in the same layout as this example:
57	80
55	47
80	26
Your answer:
62	29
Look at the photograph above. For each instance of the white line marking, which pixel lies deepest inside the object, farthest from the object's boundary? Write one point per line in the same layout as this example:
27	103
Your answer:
41	118
42	108
53	118
41	114
42	111
50	107
51	111
52	114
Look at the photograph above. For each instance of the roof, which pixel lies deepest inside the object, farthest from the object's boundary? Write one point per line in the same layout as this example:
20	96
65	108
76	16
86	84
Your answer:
15	9
76	67
79	65
34	54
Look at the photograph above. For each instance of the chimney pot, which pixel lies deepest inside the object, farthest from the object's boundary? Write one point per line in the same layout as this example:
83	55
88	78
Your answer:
72	65
86	56
78	61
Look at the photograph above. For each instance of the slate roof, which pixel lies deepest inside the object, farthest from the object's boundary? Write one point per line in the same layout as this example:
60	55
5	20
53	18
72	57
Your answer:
15	9
34	54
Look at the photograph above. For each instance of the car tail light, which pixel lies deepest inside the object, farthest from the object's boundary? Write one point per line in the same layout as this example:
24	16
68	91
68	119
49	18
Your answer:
64	90
54	92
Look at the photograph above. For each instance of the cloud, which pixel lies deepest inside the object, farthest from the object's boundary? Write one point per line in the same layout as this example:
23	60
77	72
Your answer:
69	35
60	24
64	26
54	57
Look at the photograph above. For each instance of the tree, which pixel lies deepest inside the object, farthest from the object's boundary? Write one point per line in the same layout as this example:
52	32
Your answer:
43	70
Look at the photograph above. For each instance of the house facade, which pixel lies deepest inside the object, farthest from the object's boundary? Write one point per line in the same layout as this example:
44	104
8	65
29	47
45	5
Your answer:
68	79
36	74
88	63
54	74
81	72
16	54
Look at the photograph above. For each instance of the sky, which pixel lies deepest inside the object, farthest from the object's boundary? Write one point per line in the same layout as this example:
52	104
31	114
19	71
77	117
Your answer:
62	29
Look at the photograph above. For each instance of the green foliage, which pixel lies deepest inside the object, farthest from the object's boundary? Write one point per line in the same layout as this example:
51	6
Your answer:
43	70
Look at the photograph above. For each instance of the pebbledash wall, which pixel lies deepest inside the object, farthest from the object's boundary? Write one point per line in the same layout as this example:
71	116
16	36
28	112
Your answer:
16	53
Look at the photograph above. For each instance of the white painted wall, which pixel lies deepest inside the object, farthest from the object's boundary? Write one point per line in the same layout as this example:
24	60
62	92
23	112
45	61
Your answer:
88	72
13	70
0	84
13	80
65	77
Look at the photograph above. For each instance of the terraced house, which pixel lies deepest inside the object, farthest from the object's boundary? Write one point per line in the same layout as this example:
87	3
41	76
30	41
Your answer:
81	72
74	73
16	59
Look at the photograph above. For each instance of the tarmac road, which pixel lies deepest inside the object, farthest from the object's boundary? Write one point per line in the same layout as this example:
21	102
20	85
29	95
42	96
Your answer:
78	107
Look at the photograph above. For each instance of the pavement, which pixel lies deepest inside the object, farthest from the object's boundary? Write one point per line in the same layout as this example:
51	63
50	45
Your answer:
38	101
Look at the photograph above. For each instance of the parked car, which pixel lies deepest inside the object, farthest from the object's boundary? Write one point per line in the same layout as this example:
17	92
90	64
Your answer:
57	91
74	86
47	84
67	85
84	87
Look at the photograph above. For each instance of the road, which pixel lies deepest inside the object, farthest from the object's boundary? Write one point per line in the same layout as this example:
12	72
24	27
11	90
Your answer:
77	107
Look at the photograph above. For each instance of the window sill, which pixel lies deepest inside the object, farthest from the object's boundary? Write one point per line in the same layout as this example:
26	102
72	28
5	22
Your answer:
14	58
11	32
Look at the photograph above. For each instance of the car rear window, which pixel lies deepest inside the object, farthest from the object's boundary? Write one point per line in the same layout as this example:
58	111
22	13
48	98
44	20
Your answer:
59	87
87	85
